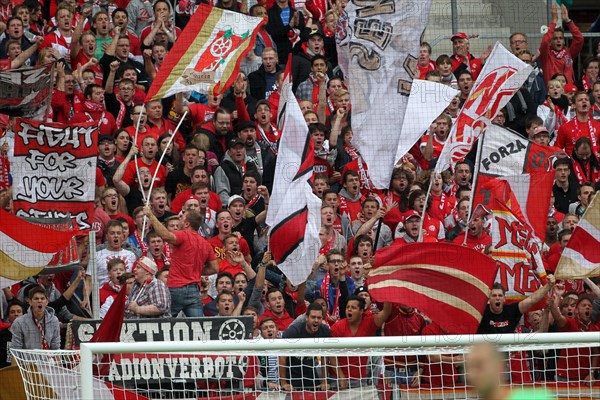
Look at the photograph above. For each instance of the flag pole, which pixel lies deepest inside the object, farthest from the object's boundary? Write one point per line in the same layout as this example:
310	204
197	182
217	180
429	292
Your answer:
93	268
474	185
420	237
377	234
162	156
137	168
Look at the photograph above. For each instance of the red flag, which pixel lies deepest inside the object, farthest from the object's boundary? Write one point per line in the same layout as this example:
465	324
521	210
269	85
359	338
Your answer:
110	328
527	195
449	283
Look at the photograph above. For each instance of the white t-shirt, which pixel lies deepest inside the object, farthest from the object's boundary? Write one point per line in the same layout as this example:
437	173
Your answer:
105	255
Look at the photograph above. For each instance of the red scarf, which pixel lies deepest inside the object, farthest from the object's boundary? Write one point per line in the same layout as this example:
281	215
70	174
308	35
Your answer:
315	91
41	325
591	130
266	38
560	116
585	83
166	251
92	107
325	294
4	171
252	201
352	151
121	115
270	138
327	247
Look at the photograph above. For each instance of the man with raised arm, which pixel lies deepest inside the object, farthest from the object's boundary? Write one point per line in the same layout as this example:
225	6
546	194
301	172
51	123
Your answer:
191	257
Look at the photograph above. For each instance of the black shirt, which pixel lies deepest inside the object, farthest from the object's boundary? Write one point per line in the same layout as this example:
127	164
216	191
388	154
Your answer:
562	199
505	322
301	372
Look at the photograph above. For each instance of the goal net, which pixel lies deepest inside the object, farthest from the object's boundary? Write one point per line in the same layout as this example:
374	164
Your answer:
357	368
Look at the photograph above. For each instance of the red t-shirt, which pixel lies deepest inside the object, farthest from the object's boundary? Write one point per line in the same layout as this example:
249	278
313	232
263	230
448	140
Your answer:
437	374
214	202
437	145
573	130
441	206
219	251
354	367
81	60
107	291
400	323
188	257
475	243
201	113
142	135
575	363
282	322
226	266
130	175
350	208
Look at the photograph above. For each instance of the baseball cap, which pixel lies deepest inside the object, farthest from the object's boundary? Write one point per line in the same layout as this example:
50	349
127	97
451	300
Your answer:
234	142
192	197
570	88
243	125
148	264
105	138
539	130
235	197
409	214
459	35
316	31
361	289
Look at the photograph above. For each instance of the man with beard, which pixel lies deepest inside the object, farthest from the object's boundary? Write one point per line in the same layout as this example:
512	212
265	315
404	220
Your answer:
93	110
114	249
554	56
228	176
477	237
199	175
224	226
580	126
218	132
301	373
499	317
181	178
147	159
576	364
246	132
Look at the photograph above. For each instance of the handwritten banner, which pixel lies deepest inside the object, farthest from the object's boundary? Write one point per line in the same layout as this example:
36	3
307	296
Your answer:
26	92
54	174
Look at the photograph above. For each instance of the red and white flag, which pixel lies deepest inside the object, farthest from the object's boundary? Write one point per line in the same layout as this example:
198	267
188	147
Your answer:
378	48
581	257
501	77
527	195
26	92
294	210
207	56
54	170
448	283
517	251
26	248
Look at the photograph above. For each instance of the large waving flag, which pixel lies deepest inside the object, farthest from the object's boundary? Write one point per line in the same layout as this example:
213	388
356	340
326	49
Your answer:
581	257
26	92
378	49
426	102
449	283
207	56
505	152
501	77
516	249
26	248
294	211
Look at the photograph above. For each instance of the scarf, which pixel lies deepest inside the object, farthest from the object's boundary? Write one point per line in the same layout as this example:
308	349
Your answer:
41	325
266	38
585	83
352	151
315	90
166	251
559	54
591	130
271	144
560	117
4	171
121	114
252	201
325	294
90	106
328	246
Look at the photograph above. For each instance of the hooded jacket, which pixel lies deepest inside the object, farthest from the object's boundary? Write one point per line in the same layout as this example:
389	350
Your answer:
26	335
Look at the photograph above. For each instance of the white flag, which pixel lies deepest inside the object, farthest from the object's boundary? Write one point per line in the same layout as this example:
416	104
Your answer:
501	77
294	212
378	47
426	102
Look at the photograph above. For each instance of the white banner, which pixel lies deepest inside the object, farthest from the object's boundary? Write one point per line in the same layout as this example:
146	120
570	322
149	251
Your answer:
378	45
426	102
501	77
294	213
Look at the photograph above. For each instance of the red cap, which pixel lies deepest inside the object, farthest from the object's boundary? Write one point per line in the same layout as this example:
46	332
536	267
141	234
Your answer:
539	130
410	214
192	197
570	88
460	35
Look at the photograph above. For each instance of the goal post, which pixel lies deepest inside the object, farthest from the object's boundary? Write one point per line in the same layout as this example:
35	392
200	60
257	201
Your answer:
135	367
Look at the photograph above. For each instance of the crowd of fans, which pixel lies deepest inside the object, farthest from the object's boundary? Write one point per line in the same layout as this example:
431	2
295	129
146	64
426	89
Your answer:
201	248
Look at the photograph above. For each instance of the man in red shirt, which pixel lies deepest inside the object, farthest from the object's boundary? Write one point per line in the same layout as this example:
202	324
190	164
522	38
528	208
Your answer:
276	309
224	226
198	113
477	237
580	126
147	159
352	371
191	257
234	261
554	56
462	59
576	364
93	110
424	62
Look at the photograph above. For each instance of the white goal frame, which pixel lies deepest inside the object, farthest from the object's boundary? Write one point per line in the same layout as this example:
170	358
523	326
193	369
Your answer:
326	346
